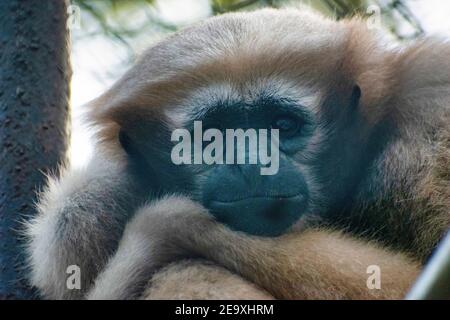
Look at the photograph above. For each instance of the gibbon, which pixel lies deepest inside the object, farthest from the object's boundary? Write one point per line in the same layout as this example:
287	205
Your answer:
363	179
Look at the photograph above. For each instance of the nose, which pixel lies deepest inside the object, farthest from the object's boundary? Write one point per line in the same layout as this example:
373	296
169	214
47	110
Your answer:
244	200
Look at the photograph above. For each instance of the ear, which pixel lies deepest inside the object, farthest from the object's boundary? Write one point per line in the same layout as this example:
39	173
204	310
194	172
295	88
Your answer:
130	147
423	74
145	136
355	97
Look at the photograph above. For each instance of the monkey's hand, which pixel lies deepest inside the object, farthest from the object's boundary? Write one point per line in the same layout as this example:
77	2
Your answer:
148	243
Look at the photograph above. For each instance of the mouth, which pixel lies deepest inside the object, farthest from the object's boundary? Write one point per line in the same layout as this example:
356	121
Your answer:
260	215
297	195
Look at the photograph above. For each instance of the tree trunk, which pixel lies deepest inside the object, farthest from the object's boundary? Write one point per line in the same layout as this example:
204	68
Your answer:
34	120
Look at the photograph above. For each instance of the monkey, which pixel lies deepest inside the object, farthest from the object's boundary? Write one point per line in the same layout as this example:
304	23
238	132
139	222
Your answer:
363	179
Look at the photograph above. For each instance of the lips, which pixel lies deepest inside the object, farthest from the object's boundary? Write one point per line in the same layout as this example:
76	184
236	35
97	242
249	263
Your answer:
262	196
260	215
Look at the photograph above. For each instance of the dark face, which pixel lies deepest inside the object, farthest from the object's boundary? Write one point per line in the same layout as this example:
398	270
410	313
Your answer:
239	195
317	164
321	161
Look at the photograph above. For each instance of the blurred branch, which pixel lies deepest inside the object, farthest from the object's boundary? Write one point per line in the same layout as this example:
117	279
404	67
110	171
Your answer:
344	8
406	13
100	17
105	11
107	14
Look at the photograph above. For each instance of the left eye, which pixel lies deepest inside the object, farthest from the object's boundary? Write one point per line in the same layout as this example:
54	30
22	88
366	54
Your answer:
286	125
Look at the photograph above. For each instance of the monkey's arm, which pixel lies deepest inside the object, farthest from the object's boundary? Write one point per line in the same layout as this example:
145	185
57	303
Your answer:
80	220
142	252
201	280
315	264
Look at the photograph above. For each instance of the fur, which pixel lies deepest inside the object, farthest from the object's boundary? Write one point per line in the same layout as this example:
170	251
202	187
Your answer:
396	216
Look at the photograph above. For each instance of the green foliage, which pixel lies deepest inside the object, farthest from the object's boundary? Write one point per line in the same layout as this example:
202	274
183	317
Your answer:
343	8
222	6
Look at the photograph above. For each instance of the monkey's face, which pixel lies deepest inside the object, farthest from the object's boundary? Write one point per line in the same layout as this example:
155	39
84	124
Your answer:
246	170
300	143
265	154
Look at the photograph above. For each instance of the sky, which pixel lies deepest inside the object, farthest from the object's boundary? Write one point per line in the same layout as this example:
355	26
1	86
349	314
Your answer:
98	61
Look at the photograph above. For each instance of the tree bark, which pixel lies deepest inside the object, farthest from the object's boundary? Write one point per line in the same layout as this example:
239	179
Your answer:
34	120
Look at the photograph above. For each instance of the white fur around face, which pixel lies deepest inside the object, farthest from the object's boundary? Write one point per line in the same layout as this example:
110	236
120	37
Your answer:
304	96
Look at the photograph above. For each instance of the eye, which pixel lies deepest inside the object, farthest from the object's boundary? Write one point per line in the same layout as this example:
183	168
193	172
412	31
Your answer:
287	125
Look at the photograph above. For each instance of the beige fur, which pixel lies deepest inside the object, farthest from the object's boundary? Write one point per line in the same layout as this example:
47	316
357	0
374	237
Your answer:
310	58
316	264
195	280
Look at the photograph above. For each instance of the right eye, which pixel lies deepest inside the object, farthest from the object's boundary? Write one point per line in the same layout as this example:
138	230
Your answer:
288	125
